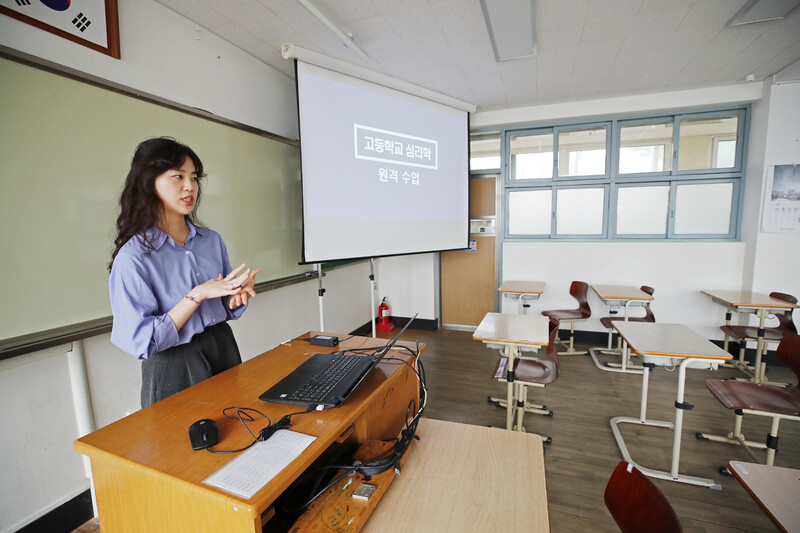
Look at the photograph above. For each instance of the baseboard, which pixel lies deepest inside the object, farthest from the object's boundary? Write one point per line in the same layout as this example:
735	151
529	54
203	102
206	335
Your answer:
65	518
594	338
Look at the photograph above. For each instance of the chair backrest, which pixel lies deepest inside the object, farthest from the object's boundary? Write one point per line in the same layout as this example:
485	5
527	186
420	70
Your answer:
636	503
789	352
648	313
552	353
785	322
580	291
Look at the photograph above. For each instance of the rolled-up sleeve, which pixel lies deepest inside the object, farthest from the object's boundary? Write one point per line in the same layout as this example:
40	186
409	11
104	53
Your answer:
138	329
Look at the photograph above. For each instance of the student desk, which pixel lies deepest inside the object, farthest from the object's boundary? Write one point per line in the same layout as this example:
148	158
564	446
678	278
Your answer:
148	478
672	345
466	478
750	302
619	296
513	333
775	489
522	291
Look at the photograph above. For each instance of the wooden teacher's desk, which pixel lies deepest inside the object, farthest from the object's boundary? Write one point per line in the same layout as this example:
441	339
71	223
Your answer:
775	489
148	478
466	478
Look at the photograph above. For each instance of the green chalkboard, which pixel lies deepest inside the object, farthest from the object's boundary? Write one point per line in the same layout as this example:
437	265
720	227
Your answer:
65	149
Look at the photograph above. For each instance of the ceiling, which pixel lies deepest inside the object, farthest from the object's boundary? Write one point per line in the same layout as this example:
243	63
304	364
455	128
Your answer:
586	49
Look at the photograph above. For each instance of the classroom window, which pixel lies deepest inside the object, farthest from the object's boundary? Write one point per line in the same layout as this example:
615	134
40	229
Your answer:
530	212
582	152
580	211
642	210
645	148
697	146
703	209
484	151
662	176
531	156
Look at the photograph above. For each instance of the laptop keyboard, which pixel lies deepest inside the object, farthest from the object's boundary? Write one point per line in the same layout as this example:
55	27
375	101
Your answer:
318	387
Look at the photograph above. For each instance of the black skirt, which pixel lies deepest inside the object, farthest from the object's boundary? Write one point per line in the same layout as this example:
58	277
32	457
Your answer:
177	368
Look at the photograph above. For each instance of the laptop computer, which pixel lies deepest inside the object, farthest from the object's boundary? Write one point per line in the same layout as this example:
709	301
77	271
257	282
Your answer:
327	379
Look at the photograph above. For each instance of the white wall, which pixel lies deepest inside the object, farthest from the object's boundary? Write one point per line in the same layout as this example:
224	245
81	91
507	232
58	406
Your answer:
166	55
677	270
777	256
409	284
161	56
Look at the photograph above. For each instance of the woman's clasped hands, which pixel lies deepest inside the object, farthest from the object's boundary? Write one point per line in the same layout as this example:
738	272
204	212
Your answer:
238	286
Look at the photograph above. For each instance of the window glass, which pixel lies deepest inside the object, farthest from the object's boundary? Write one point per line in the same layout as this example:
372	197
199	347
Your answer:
530	212
645	148
532	156
725	153
642	210
698	145
703	208
580	211
582	152
484	151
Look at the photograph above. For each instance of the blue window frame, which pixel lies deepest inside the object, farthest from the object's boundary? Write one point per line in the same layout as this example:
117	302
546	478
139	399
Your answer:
665	176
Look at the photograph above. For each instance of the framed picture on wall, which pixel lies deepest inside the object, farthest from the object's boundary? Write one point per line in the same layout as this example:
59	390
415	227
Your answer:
91	23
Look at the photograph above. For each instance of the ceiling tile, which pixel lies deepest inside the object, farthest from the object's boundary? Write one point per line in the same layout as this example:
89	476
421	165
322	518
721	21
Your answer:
560	14
585	49
350	11
786	58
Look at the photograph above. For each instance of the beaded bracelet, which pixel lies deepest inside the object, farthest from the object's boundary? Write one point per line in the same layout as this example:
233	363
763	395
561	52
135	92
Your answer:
192	299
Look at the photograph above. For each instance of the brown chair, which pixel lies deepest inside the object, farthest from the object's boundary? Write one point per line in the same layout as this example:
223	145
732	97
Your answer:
532	373
742	334
580	291
648	316
763	400
637	505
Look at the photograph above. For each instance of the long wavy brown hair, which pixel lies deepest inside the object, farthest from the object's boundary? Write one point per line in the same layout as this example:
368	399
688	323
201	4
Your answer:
140	206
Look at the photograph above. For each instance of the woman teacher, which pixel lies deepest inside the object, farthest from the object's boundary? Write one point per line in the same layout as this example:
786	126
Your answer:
172	288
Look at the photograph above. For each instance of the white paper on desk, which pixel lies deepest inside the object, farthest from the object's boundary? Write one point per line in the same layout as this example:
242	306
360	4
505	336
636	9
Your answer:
245	475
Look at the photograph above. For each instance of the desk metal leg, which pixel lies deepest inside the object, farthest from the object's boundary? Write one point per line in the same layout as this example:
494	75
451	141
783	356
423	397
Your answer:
673	474
623	368
727	323
520	406
758	375
510	403
740	363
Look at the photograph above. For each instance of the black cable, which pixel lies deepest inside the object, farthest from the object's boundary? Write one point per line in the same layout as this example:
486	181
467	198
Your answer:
243	416
384	460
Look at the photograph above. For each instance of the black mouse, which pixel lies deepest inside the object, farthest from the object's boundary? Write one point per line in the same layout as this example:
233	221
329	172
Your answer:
203	433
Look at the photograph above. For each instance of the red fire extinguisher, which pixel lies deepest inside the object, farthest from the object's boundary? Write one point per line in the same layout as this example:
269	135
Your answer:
384	322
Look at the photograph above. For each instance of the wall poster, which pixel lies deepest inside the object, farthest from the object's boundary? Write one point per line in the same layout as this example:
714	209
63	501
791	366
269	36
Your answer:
782	201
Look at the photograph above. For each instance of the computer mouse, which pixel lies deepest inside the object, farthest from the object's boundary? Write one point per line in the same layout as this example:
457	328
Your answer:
203	433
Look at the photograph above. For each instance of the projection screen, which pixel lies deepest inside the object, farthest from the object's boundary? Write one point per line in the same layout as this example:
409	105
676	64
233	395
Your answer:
384	172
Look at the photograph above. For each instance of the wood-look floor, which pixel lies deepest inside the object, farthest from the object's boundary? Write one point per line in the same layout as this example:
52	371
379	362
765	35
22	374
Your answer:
584	453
